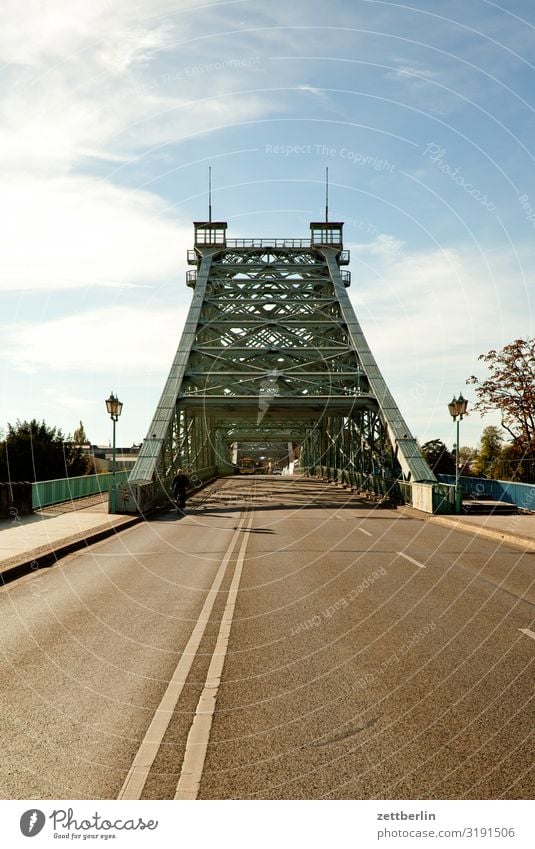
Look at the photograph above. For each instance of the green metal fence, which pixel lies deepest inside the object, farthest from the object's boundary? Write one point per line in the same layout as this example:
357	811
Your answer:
443	498
45	493
430	497
384	487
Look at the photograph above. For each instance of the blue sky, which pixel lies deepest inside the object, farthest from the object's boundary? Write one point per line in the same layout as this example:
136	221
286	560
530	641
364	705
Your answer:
111	112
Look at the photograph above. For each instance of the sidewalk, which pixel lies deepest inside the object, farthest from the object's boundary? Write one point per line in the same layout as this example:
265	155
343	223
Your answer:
43	537
515	529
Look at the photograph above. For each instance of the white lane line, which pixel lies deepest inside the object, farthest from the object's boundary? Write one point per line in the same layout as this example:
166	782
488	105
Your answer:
138	773
411	559
199	734
528	633
368	534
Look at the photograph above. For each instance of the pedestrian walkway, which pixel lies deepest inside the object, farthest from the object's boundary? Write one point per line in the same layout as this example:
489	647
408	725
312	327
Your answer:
36	537
514	529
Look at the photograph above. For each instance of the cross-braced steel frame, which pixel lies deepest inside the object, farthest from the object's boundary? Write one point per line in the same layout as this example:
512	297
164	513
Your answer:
272	351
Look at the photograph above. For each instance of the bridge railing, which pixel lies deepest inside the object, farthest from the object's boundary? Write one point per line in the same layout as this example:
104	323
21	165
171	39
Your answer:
521	494
45	493
142	496
428	497
369	483
268	243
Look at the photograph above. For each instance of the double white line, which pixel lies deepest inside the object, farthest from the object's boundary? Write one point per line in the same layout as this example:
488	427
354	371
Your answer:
199	734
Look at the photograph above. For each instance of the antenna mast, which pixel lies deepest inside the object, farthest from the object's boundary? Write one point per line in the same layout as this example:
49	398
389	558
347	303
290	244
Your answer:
326	195
209	194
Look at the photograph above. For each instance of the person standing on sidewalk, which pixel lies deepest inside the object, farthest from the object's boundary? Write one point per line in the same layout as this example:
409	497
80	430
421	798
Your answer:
178	488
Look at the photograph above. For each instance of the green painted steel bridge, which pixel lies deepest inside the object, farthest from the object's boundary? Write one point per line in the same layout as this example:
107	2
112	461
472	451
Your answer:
272	352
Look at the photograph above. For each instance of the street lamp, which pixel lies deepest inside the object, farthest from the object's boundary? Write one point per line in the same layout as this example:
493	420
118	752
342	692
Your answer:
114	408
457	408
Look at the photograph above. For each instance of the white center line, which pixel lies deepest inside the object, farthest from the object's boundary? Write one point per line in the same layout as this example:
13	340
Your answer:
368	534
528	633
199	734
411	559
139	771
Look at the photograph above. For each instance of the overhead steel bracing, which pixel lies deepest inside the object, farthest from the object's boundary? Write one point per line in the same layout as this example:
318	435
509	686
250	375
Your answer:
272	351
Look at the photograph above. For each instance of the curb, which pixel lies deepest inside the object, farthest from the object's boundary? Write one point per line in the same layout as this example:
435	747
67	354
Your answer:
511	539
50	558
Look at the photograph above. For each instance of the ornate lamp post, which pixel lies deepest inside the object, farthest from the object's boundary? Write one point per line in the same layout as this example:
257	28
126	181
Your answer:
457	408
114	408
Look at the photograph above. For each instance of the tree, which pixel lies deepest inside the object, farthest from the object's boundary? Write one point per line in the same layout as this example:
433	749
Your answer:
467	456
438	457
489	456
79	436
509	468
514	465
32	451
511	390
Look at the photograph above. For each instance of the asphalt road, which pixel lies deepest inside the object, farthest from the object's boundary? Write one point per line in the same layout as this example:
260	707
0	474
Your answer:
365	653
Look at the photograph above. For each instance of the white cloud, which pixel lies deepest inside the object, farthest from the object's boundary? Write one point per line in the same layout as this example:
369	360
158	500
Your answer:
168	120
67	402
72	76
113	339
318	92
427	316
117	31
408	71
83	81
49	123
78	231
81	89
439	306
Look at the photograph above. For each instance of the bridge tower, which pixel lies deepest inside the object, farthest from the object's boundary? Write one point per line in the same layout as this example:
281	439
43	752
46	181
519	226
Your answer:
272	351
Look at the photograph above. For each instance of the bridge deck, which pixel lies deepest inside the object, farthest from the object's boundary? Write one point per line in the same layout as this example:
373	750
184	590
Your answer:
370	655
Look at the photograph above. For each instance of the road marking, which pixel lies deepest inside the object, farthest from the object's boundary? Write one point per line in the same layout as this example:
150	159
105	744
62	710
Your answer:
199	734
528	633
138	773
368	534
411	559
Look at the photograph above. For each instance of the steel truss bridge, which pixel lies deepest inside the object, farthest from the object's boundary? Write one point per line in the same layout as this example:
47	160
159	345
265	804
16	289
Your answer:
272	352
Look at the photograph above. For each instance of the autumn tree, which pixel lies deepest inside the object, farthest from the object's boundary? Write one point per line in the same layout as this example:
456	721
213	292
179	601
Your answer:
510	389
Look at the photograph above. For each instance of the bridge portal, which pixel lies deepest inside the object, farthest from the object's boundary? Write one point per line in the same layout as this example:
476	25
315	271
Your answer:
272	352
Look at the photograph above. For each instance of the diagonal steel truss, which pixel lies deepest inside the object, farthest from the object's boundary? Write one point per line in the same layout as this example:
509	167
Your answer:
272	351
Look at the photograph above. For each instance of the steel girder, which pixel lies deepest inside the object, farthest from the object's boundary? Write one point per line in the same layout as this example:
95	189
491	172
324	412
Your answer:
272	351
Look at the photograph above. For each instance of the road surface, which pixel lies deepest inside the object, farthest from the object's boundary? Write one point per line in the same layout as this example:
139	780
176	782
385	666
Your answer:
284	640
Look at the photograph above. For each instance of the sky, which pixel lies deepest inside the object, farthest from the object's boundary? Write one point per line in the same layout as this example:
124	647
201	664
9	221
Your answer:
112	111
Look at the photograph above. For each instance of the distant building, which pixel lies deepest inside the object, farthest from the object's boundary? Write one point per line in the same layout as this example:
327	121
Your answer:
102	456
